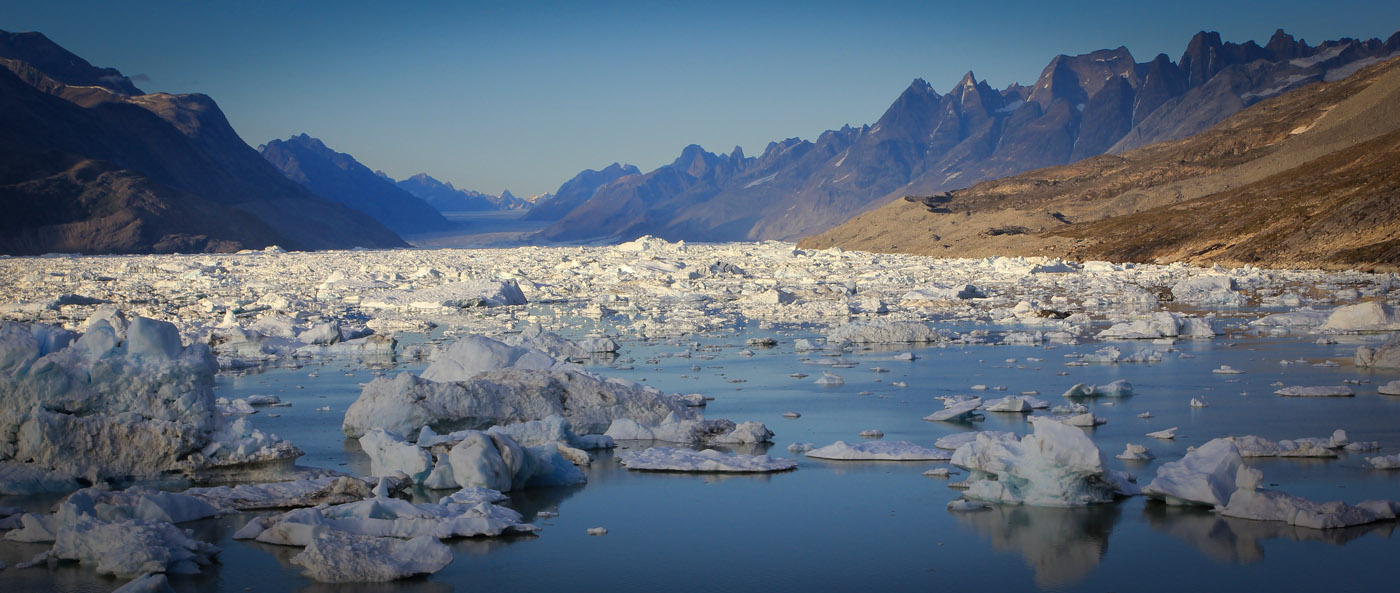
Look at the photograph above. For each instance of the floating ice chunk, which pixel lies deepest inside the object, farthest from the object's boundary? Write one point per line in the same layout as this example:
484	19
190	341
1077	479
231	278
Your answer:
1299	318
337	557
452	295
1108	355
130	548
1119	388
797	448
709	460
1318	391
955	440
1057	465
388	453
147	583
961	411
964	506
597	531
1212	290
830	378
872	434
884	332
1135	453
1385	356
1164	434
1197	403
1255	446
940	295
1085	420
792	414
1010	403
908	356
1384	461
472	355
1368	316
1205	476
1391	388
938	472
1226	369
296	493
406	403
878	450
693	432
1161	325
1272	505
140	408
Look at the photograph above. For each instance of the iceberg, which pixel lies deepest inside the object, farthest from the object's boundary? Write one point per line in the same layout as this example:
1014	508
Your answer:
707	461
1056	466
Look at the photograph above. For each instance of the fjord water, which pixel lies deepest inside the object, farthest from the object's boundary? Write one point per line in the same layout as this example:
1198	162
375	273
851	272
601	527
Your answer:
844	525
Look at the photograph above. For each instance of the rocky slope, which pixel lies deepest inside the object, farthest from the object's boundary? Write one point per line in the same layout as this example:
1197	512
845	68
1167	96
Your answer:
339	177
926	142
1310	178
96	166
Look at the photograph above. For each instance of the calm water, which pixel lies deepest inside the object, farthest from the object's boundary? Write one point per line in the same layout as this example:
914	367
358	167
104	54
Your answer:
858	526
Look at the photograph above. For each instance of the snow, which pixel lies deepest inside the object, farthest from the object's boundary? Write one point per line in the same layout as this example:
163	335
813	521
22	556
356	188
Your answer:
878	451
1057	465
708	461
766	179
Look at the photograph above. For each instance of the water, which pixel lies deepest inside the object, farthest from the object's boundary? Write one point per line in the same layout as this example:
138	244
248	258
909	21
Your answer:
878	525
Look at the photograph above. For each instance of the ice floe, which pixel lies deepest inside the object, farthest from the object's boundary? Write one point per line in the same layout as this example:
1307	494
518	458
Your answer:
677	459
878	451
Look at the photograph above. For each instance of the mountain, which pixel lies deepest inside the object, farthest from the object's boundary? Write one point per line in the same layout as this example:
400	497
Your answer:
445	198
576	191
91	164
1309	178
338	176
926	142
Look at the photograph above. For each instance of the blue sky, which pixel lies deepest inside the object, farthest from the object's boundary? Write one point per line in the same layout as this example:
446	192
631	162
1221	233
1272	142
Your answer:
523	95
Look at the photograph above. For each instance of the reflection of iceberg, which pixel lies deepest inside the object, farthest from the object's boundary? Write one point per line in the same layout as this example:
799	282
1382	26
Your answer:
1062	545
1240	541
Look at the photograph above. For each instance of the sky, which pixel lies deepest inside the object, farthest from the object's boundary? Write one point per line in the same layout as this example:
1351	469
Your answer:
524	95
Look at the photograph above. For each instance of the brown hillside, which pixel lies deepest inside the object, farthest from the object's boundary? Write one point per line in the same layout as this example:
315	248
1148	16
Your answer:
1307	179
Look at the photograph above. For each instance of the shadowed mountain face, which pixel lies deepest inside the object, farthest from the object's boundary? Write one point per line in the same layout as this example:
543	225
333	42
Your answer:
339	177
926	142
445	198
170	164
578	190
1309	178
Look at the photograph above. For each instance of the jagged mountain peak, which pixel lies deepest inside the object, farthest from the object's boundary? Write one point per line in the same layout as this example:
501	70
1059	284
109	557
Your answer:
63	66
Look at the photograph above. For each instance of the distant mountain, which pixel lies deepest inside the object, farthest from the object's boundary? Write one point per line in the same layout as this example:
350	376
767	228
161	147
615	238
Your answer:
1309	178
925	143
338	176
576	191
445	198
89	164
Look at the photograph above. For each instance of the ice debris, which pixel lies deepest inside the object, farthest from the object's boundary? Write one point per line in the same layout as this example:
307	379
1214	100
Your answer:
878	451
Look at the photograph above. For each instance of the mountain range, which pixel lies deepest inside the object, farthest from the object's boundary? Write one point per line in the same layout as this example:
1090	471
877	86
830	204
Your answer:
338	176
1080	106
1307	179
445	198
89	163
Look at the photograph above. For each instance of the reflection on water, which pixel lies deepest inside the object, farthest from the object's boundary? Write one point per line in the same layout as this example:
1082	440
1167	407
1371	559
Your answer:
1062	546
1240	541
